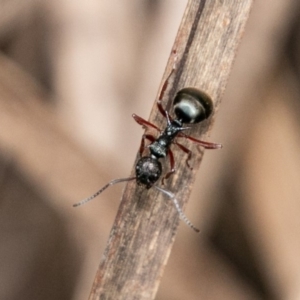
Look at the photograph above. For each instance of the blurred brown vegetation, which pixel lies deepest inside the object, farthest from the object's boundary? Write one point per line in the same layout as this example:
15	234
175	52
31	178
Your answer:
71	75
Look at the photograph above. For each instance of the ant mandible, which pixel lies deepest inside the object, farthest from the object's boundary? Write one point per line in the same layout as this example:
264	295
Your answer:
190	106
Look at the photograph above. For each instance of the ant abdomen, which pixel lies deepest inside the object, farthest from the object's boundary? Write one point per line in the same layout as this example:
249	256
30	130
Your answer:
192	105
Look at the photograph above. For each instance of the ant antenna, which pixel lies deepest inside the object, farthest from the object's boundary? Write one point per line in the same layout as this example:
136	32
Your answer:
179	210
113	182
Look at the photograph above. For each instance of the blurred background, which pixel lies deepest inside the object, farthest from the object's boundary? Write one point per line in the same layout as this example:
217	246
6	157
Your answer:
71	75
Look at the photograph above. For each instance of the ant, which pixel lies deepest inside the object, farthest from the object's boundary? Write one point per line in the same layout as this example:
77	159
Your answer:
190	106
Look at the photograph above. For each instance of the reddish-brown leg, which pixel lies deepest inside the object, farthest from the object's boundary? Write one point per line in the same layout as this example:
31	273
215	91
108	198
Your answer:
186	151
172	166
144	123
206	145
149	137
164	87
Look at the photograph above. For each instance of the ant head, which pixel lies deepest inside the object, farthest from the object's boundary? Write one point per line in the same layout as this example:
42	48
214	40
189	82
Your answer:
148	171
192	105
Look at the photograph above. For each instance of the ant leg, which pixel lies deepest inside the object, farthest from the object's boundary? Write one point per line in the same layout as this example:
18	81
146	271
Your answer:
187	151
206	145
144	123
164	87
149	137
172	166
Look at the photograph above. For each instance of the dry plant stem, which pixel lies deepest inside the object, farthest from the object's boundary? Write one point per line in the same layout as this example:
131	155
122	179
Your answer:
143	233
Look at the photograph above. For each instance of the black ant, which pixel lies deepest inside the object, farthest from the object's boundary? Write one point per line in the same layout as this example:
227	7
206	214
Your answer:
190	106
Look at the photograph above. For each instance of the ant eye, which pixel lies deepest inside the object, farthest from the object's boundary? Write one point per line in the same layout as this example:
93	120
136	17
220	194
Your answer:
192	105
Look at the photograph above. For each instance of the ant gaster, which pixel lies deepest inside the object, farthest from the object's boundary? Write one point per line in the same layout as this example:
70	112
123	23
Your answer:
190	106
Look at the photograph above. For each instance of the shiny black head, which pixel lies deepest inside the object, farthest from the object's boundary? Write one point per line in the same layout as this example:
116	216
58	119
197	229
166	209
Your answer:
192	105
148	171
